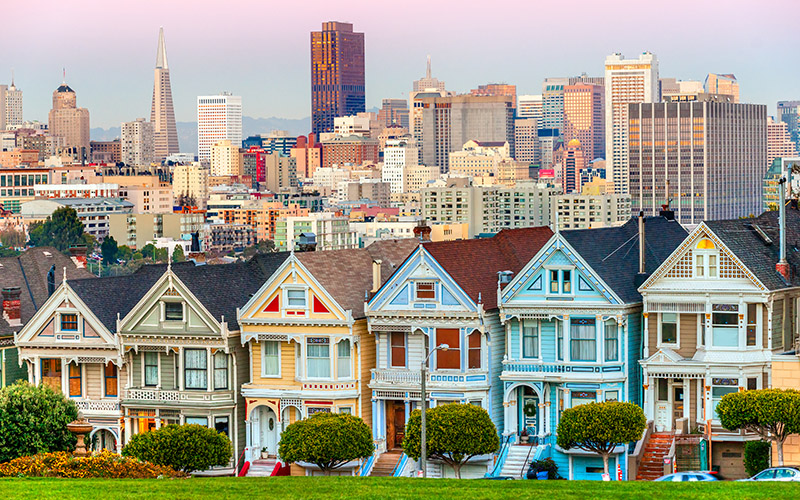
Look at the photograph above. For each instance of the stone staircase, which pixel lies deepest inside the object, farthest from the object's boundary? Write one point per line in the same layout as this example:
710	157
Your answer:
652	464
262	468
384	466
518	460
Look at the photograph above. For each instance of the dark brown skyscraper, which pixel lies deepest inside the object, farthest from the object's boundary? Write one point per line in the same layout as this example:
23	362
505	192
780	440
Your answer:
337	74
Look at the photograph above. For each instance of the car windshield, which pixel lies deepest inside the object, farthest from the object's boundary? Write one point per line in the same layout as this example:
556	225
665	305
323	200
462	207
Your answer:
767	474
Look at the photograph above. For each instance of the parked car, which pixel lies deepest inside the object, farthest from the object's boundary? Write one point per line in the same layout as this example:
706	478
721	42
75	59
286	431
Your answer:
691	476
784	473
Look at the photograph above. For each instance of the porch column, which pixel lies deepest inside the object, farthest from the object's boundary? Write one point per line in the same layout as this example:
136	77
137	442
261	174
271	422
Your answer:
647	395
33	373
408	409
247	434
209	370
708	414
509	406
64	376
125	434
646	335
542	419
687	400
181	378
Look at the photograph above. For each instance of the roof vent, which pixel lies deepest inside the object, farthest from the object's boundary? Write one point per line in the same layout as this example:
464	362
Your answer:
763	235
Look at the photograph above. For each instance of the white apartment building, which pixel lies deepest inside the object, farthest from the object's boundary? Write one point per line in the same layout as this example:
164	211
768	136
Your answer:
526	140
191	180
351	125
626	81
327	179
225	159
13	107
589	211
530	106
399	156
137	146
219	118
103	190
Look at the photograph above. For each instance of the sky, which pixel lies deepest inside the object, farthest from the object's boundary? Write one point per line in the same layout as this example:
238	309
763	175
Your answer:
260	49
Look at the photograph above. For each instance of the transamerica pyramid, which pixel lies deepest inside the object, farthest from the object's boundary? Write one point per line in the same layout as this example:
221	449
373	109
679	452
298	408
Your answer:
162	114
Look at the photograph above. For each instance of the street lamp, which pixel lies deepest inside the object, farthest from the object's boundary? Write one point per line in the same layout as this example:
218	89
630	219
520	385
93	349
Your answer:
423	444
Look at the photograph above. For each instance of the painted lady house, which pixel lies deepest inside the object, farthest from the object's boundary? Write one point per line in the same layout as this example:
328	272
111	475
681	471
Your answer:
444	293
572	321
306	334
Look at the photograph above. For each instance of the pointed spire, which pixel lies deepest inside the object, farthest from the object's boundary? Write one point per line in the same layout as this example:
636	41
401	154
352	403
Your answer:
428	71
12	77
161	55
64	75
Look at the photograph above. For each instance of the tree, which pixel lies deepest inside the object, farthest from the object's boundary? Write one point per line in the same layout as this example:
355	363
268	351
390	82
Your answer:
773	414
125	252
328	440
600	427
188	447
12	238
137	256
109	250
34	420
263	246
161	255
61	230
186	200
454	434
149	251
177	254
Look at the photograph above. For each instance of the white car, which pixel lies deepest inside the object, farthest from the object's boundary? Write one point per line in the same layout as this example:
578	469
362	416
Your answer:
785	473
690	476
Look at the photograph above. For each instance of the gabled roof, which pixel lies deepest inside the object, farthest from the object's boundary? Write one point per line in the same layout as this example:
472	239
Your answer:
759	256
220	288
474	264
613	252
347	274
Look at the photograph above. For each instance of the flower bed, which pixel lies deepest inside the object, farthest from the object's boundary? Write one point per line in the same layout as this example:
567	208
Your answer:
105	464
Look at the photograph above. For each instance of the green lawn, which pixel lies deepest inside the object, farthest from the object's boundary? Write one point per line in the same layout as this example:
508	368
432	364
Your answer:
379	488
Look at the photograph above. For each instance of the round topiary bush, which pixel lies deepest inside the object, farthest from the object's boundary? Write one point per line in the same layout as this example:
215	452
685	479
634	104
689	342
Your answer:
186	448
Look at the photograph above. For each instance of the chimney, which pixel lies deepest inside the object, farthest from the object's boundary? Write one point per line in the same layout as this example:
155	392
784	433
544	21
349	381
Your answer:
11	312
641	243
78	255
782	266
423	231
376	275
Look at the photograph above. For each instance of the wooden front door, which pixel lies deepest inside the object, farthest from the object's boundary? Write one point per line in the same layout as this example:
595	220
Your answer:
395	424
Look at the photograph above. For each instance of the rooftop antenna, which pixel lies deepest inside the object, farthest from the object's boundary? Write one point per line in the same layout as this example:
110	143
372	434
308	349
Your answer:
64	75
428	71
12	77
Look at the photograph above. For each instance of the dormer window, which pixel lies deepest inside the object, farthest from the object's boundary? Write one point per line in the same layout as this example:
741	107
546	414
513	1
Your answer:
560	281
173	311
705	259
69	322
425	290
296	298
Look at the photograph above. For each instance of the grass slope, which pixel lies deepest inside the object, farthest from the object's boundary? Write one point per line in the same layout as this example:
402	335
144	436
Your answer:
378	488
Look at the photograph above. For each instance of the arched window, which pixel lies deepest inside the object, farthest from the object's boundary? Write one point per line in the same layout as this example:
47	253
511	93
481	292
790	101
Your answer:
474	354
706	259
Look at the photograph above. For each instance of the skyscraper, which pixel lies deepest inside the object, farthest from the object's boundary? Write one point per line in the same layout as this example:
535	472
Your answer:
779	141
3	93
496	89
219	118
136	142
337	74
428	83
162	115
583	118
627	81
13	106
530	106
722	84
553	103
393	112
789	113
69	123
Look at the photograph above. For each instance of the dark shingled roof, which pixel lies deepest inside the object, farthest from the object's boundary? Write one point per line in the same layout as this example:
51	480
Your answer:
474	264
28	271
347	274
760	257
220	288
613	252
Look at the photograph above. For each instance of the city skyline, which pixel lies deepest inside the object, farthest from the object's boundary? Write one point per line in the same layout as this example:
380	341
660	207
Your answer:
120	54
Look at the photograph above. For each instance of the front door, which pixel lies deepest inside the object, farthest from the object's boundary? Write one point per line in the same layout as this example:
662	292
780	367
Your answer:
268	430
677	403
663	410
530	413
399	424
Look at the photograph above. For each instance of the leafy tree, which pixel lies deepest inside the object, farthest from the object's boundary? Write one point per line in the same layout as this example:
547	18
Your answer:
149	251
188	448
756	456
34	420
61	230
177	254
161	254
263	246
12	238
600	427
328	440
186	200
109	250
137	256
125	252
8	252
773	414
454	434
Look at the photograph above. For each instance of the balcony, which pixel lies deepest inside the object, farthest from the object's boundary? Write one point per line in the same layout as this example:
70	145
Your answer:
514	370
89	407
437	380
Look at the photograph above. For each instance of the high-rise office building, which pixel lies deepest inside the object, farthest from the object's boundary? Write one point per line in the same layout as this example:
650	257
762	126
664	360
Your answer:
415	112
191	181
570	160
219	118
69	122
553	103
337	74
3	110
708	156
626	81
449	122
492	89
13	107
393	112
584	119
789	113
530	106
137	145
779	141
162	114
526	140
399	156
673	87
722	84
428	83
225	159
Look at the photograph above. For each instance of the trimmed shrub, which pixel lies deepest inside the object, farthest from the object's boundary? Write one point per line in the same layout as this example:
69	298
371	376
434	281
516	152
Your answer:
328	440
34	420
186	448
756	456
105	464
543	465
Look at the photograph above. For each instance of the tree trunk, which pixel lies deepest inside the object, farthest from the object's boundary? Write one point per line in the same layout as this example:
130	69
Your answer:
779	445
457	470
605	462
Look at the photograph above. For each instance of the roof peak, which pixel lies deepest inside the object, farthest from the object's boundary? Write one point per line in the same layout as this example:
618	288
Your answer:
161	54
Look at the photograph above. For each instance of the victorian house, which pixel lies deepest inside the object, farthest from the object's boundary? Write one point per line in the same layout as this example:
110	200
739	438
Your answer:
573	333
445	293
306	335
717	313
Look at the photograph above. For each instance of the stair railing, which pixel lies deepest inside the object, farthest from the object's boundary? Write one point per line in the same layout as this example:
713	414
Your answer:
501	457
527	461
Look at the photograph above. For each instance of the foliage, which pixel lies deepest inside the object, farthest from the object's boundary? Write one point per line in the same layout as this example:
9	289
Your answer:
187	448
263	246
177	254
125	252
8	252
328	440
186	200
454	434
161	255
148	251
109	250
137	256
104	464
34	420
61	230
530	409
545	464
600	427
756	456
771	413
12	238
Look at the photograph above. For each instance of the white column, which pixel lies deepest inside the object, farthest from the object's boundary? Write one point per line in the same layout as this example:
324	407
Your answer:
181	378
64	377
599	334
125	435
209	371
687	399
646	335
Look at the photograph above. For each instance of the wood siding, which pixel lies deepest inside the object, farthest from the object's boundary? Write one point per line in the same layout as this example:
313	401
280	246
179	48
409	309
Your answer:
688	335
366	352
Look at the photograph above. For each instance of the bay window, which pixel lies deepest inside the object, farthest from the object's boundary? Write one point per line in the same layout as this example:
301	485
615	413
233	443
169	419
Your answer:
318	357
725	325
110	380
559	340
717	391
74	380
150	369
220	370
195	369
583	397
343	360
474	352
669	328
51	373
530	341
270	359
752	324
583	340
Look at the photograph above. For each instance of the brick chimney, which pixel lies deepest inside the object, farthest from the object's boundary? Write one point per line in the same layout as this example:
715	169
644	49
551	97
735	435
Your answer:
78	255
11	311
423	231
782	266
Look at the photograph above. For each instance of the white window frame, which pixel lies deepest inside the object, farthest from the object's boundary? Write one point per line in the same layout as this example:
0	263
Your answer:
285	297
526	324
417	298
330	345
144	369
606	392
349	360
560	270
171	322
263	347
78	331
677	342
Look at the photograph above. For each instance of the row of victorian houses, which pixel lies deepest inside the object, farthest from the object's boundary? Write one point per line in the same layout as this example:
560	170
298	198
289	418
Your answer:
536	323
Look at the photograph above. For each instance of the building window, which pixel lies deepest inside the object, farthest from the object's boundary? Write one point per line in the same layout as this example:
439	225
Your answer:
221	425
566	281
318	355
474	350
611	341
220	370
554	281
69	322
752	384
451	358
196	369
197	421
271	362
752	324
150	369
582	397
424	290
718	391
173	311
669	328
110	376
612	395
725	325
397	350
583	340
559	339
74	380
296	299
347	410
530	341
343	360
51	373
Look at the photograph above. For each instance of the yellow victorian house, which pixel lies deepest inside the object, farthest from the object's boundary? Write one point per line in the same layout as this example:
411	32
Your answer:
307	336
